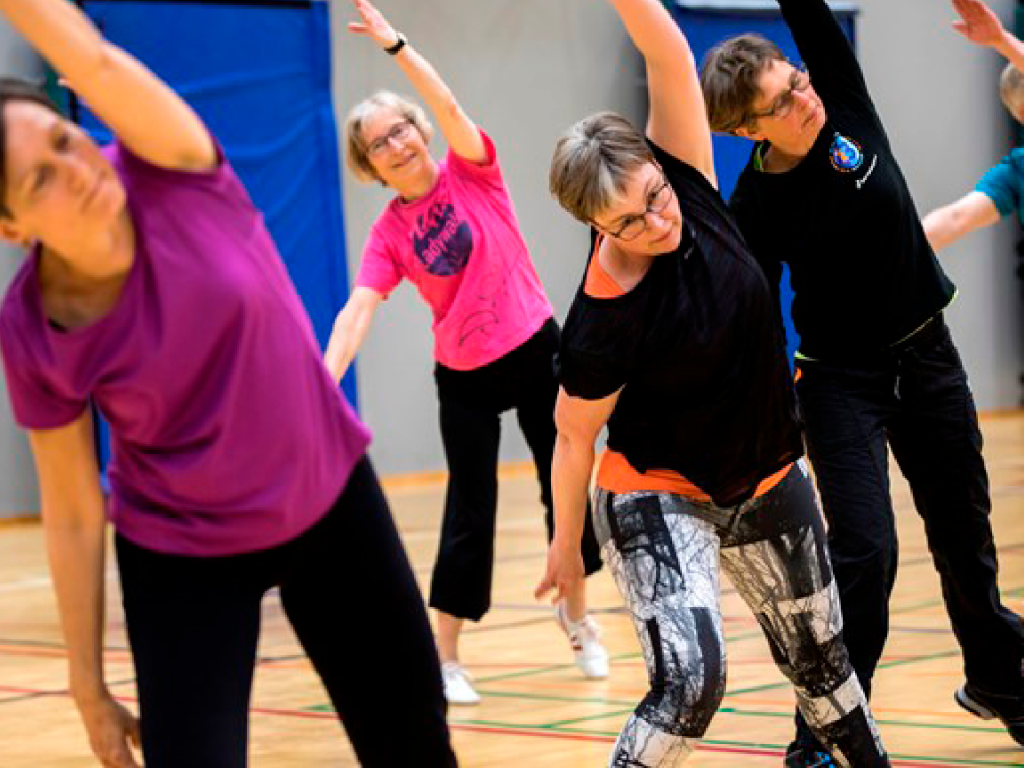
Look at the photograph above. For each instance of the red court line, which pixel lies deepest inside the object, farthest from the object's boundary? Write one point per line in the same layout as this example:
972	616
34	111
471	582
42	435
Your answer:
593	738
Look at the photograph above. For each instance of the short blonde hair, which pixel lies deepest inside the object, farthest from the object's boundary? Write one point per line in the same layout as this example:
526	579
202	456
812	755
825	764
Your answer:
358	157
593	161
1011	90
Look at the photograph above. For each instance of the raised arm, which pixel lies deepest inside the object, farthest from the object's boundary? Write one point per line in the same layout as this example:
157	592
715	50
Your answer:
350	329
579	422
677	121
75	526
459	131
945	225
137	106
981	26
824	48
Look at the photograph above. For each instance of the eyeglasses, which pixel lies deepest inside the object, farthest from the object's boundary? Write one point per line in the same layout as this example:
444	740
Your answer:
636	224
398	132
799	82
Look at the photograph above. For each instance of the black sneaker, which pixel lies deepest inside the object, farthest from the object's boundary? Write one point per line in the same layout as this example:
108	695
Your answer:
802	756
989	706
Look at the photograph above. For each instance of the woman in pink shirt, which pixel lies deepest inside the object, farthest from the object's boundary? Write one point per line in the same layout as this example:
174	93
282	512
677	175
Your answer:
452	231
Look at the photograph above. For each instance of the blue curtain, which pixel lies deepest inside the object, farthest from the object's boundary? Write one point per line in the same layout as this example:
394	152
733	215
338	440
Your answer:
259	74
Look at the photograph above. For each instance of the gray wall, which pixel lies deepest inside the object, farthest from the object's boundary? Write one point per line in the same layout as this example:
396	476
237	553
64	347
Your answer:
526	69
938	95
18	489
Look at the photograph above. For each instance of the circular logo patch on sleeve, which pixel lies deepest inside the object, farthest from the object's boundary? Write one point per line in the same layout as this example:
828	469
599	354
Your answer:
846	154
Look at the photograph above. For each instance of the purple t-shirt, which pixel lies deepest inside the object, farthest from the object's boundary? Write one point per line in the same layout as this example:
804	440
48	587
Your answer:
228	434
460	245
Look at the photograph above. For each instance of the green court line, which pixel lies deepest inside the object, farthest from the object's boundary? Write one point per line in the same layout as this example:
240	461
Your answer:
738	744
617	657
631	705
572	721
885	665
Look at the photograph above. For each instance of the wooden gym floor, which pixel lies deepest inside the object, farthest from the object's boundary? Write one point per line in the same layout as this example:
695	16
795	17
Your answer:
537	711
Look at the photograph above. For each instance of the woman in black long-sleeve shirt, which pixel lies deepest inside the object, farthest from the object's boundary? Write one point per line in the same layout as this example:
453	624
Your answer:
823	193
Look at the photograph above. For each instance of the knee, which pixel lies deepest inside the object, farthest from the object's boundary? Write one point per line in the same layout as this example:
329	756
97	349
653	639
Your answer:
683	701
812	654
858	560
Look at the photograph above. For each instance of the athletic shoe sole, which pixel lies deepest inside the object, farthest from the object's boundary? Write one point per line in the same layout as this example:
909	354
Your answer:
976	708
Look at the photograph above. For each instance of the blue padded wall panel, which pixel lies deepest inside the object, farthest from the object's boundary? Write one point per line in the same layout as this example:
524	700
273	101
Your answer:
259	75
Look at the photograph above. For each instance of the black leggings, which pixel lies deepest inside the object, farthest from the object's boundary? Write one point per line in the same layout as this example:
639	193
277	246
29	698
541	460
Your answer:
471	404
349	593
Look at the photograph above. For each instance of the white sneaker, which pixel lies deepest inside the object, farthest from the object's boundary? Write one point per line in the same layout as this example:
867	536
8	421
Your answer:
585	637
457	686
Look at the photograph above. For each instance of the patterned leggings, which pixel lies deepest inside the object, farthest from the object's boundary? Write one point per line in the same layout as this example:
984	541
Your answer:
664	552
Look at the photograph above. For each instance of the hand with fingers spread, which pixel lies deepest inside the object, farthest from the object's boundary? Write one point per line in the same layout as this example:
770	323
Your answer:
373	25
564	570
113	731
978	23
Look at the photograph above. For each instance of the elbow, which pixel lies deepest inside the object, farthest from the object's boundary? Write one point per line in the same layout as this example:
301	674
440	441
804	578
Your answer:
101	62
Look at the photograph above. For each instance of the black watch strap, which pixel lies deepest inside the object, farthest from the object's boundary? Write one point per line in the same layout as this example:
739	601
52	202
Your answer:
399	45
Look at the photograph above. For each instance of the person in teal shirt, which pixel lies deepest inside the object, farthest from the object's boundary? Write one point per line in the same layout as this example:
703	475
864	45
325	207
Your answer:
1001	189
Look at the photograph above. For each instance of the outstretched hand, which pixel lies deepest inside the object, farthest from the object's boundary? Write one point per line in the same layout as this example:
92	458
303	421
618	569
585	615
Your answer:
373	25
978	23
113	731
563	572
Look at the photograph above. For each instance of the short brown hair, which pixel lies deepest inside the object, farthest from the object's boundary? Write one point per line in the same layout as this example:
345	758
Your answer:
1011	90
358	158
16	89
592	162
730	79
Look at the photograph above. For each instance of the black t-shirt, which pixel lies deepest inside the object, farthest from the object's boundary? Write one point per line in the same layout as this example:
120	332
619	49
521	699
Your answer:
862	271
697	350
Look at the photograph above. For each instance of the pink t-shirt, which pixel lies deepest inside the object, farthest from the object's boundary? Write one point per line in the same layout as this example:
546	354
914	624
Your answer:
460	245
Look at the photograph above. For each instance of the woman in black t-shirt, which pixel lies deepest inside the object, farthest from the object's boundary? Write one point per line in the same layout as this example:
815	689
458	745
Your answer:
673	341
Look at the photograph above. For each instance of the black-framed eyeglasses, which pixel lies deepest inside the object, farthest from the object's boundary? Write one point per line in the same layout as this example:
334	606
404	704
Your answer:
636	224
398	132
799	81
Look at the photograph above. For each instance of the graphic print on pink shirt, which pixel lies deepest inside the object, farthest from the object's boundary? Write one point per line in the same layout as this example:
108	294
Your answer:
461	247
442	241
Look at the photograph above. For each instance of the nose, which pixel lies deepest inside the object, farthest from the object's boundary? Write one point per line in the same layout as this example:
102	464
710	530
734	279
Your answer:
78	174
805	98
657	220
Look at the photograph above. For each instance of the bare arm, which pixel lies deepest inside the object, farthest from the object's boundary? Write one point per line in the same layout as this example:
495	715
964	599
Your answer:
459	131
350	329
75	526
944	226
980	25
677	121
579	422
139	107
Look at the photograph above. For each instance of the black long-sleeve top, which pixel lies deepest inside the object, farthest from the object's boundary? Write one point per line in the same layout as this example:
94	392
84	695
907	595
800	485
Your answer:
862	272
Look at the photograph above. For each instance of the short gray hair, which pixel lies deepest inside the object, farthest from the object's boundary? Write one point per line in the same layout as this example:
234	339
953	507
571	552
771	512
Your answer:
592	163
358	156
1011	89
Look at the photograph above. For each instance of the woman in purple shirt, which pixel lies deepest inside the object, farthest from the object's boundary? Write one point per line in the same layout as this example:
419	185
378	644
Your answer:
154	292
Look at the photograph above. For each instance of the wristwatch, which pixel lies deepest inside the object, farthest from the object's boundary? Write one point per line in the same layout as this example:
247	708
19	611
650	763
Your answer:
399	45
